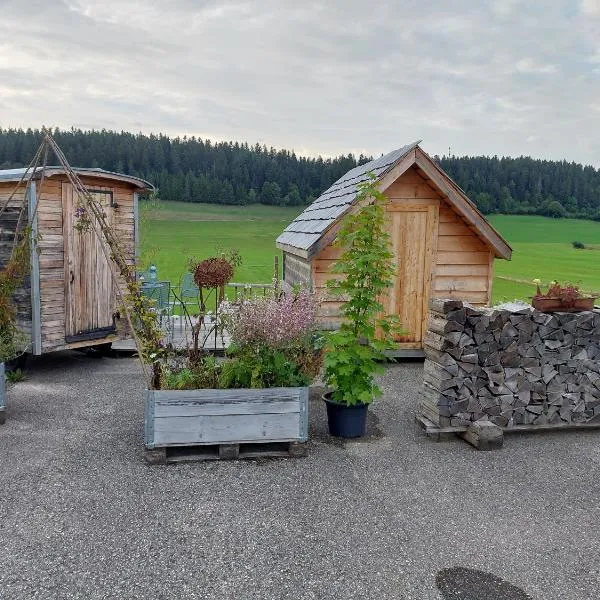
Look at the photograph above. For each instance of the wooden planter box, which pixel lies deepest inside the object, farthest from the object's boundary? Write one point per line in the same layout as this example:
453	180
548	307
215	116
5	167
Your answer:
2	394
549	305
225	423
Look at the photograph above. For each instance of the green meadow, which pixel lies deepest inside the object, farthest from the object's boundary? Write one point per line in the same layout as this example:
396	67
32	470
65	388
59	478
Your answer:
173	232
542	249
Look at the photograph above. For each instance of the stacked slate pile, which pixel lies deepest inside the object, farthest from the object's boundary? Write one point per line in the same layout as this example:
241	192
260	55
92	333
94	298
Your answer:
512	368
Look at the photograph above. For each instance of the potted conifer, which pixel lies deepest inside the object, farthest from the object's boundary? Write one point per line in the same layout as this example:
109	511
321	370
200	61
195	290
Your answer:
354	353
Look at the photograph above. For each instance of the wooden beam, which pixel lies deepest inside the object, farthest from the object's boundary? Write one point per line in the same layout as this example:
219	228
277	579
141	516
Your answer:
136	227
36	306
463	205
407	161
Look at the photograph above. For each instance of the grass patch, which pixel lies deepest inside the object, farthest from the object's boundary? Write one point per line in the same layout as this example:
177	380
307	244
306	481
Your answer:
178	230
543	247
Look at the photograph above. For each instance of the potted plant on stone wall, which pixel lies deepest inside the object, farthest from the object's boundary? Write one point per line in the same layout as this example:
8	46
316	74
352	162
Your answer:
561	298
354	353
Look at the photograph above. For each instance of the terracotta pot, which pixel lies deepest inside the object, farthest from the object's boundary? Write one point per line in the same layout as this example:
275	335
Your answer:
549	305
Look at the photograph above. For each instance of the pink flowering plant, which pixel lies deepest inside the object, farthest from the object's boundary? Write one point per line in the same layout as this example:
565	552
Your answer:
271	341
272	345
277	321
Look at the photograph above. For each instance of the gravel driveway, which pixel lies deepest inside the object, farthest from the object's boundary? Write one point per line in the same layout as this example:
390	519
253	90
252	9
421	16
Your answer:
83	516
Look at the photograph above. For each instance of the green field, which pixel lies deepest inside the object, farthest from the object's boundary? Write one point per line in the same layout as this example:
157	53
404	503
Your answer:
176	231
542	249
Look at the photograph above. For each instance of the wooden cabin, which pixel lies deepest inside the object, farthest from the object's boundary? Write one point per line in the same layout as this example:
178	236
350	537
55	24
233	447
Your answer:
443	246
69	300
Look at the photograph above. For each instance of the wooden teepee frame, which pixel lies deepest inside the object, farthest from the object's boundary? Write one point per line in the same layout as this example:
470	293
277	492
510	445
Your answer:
137	308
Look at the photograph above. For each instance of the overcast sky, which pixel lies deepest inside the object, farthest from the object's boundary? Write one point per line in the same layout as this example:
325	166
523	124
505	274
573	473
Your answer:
482	77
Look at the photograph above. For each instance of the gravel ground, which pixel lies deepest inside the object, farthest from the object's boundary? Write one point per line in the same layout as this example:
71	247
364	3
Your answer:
83	516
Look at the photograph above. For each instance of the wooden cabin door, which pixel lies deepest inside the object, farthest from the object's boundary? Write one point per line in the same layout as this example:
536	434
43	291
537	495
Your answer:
413	241
89	294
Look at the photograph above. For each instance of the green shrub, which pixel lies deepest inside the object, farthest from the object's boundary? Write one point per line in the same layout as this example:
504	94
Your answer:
261	367
15	376
203	374
578	245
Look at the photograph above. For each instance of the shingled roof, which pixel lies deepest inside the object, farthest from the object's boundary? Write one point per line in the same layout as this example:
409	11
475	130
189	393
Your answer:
305	234
307	228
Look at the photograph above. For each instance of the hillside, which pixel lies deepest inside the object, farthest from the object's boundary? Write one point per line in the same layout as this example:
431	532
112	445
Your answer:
233	173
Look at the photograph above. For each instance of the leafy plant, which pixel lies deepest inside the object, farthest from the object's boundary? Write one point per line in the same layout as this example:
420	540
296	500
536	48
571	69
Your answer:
12	340
261	367
15	376
578	245
203	374
353	353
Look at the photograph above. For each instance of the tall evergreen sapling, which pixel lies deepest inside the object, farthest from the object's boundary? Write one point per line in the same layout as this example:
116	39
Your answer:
353	353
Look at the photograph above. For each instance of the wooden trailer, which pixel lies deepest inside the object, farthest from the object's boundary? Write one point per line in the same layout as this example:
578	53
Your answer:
69	300
443	246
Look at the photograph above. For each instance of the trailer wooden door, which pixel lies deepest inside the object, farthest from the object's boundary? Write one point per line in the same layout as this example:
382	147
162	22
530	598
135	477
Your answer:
90	301
414	234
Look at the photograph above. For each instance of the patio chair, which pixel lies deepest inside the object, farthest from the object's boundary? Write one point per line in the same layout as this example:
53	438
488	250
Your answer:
160	293
188	292
143	276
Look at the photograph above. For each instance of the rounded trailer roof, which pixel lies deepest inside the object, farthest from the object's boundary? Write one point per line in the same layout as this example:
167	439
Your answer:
14	175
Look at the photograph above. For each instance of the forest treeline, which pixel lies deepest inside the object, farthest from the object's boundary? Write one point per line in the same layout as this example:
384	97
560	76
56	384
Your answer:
191	169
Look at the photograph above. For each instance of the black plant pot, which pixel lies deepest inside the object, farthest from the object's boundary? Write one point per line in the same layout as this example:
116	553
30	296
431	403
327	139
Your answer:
346	421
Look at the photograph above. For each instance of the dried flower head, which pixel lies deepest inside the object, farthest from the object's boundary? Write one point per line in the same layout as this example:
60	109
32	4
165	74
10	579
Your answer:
213	272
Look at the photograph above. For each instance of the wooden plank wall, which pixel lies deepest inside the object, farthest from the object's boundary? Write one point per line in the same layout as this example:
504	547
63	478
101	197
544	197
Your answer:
52	265
296	271
462	263
328	315
8	223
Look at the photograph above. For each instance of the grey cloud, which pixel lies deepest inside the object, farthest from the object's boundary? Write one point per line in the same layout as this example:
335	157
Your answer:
504	76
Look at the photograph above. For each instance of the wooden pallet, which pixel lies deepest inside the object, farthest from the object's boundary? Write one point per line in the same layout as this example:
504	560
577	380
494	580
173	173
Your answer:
432	430
175	454
474	436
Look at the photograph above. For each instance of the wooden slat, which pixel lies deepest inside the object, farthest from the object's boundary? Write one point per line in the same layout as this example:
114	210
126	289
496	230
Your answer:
320	279
322	265
406	190
35	275
459	270
490	278
466	283
204	409
329	253
455	228
454	243
462	258
412	204
431	246
447	215
218	429
221	416
478	298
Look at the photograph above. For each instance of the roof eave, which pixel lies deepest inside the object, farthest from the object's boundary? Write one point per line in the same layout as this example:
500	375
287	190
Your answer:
455	195
288	249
